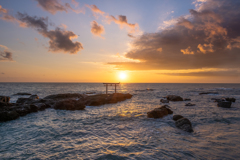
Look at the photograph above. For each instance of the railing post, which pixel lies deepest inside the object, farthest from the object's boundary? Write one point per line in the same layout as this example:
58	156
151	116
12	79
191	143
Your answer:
106	88
115	88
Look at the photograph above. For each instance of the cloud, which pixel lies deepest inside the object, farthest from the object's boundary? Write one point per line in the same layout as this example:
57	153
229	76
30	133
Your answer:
97	29
95	10
231	73
2	73
131	36
5	56
54	6
209	38
5	47
2	10
60	39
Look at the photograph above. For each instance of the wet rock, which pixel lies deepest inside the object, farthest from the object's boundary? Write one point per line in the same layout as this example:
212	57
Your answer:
224	104
187	99
184	124
25	109
159	112
34	97
23	93
101	99
64	96
69	104
164	101
8	115
177	117
3	104
174	98
42	106
23	100
208	93
190	104
4	99
230	99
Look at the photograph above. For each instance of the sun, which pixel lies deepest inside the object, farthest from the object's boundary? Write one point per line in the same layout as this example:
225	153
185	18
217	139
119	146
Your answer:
122	75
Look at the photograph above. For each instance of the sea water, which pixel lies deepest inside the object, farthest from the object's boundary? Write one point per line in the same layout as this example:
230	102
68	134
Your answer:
122	130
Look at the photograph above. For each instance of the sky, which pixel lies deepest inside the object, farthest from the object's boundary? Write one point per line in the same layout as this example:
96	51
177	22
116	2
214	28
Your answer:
137	41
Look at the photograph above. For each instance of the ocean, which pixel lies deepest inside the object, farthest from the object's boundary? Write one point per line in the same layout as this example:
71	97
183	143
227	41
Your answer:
122	130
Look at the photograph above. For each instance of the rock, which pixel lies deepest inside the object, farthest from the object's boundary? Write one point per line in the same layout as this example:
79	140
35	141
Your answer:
69	104
101	99
148	89
23	93
177	117
187	99
174	98
25	109
190	104
164	101
64	96
159	112
33	97
224	104
4	99
208	93
8	115
218	100
184	124
41	106
3	104
230	99
23	100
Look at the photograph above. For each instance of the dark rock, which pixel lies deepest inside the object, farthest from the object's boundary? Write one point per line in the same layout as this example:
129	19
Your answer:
174	98
148	89
101	99
159	112
3	104
225	104
208	93
184	124
4	99
190	104
8	115
218	100
23	100
164	101
34	97
187	99
25	109
41	106
177	117
230	99
23	93
69	104
64	96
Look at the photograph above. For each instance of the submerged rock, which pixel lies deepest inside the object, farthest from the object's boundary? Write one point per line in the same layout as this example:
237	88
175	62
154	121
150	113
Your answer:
184	124
190	104
164	101
208	93
174	98
4	99
23	93
101	99
159	112
230	99
69	104
224	104
177	117
33	97
187	99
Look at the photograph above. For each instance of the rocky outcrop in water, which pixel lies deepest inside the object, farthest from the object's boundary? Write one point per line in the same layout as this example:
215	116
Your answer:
4	99
187	99
159	112
174	98
69	104
68	101
224	104
101	99
164	101
182	123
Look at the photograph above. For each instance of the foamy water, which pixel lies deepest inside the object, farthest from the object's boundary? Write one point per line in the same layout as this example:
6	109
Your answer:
122	130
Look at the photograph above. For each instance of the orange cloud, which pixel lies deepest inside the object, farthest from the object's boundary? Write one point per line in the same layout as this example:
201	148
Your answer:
97	29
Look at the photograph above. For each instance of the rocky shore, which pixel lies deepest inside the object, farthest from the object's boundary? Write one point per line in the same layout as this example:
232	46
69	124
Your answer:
68	101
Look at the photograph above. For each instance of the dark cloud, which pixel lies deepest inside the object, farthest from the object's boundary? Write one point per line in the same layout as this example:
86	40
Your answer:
54	6
131	36
231	73
5	56
2	73
60	39
209	38
97	29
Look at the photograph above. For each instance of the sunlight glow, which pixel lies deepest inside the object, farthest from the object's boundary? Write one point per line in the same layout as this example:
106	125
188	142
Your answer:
122	75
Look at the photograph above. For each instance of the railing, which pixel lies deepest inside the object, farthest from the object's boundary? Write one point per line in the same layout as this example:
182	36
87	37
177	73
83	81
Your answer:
111	84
